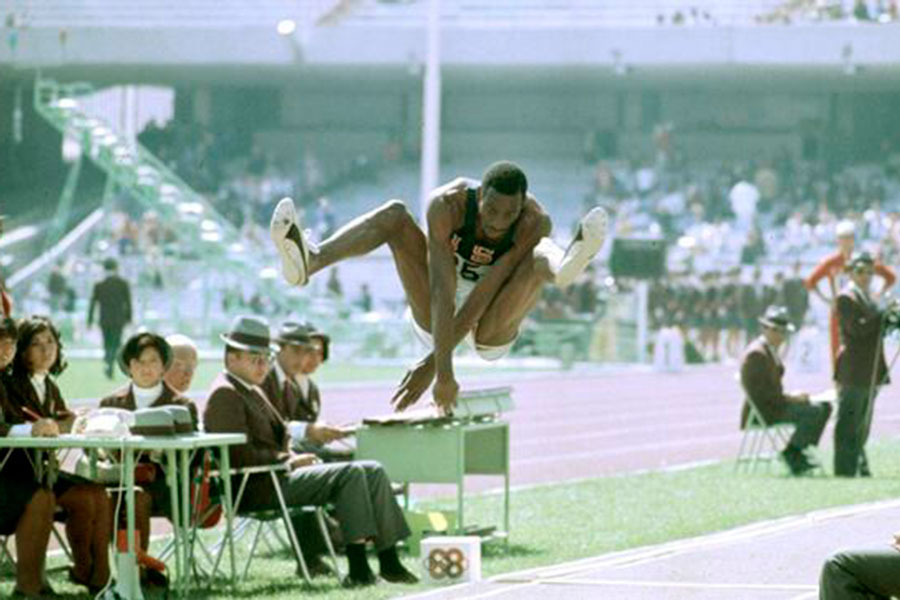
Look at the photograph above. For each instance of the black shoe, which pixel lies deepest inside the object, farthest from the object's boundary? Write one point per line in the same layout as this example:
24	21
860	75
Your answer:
155	579
350	582
796	461
401	576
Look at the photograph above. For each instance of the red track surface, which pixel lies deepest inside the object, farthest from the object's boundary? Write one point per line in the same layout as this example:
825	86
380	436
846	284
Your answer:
571	426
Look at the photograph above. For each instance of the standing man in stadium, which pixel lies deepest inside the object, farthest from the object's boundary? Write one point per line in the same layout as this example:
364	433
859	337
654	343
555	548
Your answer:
113	296
476	274
832	268
860	369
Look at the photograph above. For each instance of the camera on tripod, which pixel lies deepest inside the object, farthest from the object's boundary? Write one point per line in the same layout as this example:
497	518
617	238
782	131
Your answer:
891	317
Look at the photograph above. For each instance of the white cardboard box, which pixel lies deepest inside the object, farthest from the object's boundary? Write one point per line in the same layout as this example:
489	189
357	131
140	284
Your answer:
448	560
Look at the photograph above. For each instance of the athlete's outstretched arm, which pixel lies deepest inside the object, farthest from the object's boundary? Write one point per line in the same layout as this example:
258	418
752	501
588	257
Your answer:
534	225
442	283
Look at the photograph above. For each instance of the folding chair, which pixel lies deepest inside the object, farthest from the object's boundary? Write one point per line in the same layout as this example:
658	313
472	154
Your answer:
7	562
264	523
761	441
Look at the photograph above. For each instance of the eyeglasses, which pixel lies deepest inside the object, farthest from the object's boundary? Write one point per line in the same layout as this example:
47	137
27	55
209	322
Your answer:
255	358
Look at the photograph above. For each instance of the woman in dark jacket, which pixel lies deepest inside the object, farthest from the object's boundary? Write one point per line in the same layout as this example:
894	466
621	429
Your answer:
26	508
144	359
33	396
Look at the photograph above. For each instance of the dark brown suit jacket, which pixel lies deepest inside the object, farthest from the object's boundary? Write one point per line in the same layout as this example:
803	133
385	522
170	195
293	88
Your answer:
761	376
124	399
859	320
290	401
234	408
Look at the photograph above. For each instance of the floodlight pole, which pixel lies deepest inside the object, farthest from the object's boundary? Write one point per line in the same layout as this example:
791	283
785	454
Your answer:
431	109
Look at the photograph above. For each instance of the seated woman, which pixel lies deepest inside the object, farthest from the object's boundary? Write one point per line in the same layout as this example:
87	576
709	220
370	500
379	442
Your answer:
26	508
144	359
33	396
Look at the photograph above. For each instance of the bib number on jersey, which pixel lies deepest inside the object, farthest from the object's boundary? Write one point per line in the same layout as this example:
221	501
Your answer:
467	271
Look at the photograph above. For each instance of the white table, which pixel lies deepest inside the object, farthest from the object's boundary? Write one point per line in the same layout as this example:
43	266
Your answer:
177	450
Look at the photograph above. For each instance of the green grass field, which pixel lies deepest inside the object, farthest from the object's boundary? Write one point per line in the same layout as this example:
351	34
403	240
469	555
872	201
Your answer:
556	523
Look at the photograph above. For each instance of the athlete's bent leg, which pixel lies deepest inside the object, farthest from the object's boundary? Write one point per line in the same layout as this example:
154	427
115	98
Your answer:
500	323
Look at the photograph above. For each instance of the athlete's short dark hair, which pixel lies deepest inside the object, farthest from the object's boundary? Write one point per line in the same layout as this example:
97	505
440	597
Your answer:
506	178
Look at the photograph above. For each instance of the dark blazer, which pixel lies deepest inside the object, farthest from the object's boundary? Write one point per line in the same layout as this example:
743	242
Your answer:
17	392
761	376
113	295
22	394
859	321
290	401
124	399
234	408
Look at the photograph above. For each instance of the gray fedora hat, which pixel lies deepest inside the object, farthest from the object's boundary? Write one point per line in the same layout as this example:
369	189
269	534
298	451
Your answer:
249	333
777	317
293	333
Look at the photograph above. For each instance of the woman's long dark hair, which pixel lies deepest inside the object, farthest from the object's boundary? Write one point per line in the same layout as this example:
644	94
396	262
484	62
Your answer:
28	329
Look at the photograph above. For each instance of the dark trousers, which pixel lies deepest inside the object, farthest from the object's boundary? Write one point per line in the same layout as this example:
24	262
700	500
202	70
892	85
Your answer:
852	429
112	339
809	420
361	494
864	574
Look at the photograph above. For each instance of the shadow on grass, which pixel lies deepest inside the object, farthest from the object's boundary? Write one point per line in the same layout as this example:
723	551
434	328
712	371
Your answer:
511	551
265	590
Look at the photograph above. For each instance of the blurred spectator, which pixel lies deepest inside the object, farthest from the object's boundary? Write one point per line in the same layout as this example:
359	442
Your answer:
57	286
112	296
796	297
365	298
333	285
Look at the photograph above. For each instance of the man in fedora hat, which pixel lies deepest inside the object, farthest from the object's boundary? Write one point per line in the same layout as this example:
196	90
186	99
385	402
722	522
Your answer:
301	349
112	296
860	368
832	268
360	491
761	377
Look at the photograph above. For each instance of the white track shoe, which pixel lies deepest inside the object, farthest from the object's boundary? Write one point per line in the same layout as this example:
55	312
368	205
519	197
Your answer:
291	243
585	245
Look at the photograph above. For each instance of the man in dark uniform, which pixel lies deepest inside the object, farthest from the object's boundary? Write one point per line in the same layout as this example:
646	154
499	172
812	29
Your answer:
476	274
761	376
860	368
113	297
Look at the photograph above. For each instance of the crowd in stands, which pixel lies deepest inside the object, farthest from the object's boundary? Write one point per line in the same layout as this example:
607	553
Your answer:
805	11
244	181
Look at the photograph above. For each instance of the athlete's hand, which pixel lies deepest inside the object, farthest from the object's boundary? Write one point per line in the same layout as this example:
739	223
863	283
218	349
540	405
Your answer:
414	384
444	393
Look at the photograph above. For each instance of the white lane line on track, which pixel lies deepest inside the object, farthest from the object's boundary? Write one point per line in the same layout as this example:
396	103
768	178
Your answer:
668	549
698	585
806	595
655	445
